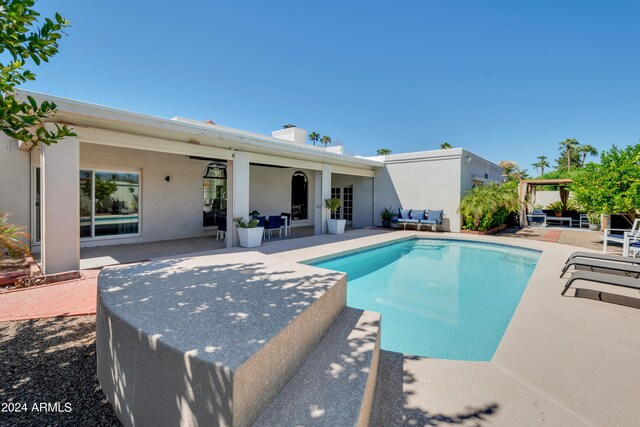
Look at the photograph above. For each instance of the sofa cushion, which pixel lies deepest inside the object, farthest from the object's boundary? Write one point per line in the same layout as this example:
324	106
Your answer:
435	215
404	213
429	221
417	214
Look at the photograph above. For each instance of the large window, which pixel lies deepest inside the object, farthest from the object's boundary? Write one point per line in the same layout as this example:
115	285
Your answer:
214	188
109	203
299	196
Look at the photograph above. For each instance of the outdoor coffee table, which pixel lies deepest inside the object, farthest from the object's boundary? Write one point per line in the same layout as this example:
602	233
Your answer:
560	219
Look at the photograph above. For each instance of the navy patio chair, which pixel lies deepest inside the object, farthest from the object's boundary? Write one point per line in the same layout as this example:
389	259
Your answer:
274	223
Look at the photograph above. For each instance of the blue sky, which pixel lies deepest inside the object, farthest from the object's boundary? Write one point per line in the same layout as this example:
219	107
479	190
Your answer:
504	79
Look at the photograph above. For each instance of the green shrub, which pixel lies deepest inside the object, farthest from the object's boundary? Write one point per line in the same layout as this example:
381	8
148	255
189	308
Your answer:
488	206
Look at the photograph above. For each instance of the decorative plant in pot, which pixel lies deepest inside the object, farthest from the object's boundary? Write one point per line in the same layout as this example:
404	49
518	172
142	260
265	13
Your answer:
386	215
557	207
594	221
249	233
335	226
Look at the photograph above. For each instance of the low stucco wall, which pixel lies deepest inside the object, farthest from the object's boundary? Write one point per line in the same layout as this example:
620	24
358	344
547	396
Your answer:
208	340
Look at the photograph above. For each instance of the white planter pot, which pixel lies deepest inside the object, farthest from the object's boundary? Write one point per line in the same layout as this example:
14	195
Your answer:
250	237
336	226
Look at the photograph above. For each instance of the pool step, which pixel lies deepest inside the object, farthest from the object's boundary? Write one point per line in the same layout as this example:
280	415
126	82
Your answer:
335	385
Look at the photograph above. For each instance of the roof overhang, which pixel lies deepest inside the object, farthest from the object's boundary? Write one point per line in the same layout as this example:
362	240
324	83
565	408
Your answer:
91	119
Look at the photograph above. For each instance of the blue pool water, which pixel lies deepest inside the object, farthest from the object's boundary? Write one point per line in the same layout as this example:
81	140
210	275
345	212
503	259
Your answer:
438	298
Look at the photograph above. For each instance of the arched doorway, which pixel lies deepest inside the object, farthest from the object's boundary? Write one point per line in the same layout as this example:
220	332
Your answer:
299	196
214	189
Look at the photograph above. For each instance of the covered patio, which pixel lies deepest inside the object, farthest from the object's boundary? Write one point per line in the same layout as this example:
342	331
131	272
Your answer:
130	179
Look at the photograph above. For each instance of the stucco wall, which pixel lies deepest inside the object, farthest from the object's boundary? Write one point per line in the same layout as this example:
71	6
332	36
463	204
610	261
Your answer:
169	210
362	197
477	168
429	180
14	182
270	191
545	198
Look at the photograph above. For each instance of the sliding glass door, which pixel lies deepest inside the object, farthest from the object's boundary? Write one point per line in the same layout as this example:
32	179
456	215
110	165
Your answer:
109	203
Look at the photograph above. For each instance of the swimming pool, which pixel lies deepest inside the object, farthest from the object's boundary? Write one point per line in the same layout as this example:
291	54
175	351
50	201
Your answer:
446	299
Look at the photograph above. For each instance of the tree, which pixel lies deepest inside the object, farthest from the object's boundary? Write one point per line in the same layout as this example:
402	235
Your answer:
541	164
23	40
586	150
613	185
487	206
314	137
511	170
568	146
326	140
383	151
445	146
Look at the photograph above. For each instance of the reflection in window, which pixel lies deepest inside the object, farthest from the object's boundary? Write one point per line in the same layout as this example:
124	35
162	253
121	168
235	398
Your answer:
109	203
86	206
214	188
116	203
299	196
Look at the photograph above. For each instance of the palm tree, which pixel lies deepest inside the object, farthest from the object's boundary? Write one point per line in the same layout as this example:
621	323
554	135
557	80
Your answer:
326	140
314	137
541	164
586	150
569	144
12	238
445	146
383	151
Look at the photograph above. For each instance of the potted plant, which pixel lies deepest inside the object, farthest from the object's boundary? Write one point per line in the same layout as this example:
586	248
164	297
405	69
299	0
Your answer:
249	233
386	215
594	221
557	208
335	226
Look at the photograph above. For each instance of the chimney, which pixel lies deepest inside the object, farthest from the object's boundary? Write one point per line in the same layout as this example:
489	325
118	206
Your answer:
291	133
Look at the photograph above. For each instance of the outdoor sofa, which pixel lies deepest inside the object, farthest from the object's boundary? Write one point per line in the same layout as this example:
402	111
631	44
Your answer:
419	217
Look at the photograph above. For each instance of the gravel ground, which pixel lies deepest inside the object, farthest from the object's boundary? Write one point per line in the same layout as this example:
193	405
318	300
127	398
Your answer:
49	361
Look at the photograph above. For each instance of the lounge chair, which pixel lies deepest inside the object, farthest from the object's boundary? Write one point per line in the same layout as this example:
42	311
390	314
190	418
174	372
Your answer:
594	265
607	279
620	238
434	219
604	257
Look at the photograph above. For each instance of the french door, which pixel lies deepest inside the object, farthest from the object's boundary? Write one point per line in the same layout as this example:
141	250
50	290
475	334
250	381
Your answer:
346	210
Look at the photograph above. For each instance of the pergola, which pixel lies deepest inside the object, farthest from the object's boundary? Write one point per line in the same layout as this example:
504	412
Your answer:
527	192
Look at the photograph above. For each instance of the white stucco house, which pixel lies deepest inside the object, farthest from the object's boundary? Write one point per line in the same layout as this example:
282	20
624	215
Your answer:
131	178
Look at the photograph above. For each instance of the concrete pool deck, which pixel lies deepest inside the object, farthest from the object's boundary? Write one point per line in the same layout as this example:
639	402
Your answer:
563	360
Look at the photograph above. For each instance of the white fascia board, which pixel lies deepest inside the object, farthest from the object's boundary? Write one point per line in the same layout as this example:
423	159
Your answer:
139	142
425	156
352	171
69	109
